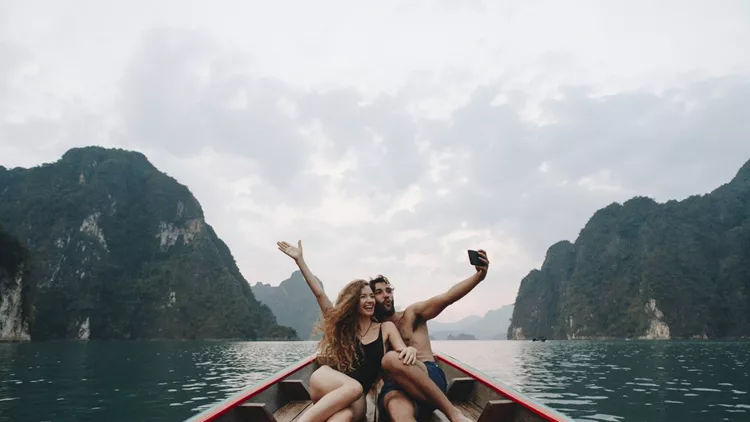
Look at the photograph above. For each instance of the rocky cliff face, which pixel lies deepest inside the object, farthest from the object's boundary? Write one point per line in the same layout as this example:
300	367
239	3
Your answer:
647	270
14	299
121	250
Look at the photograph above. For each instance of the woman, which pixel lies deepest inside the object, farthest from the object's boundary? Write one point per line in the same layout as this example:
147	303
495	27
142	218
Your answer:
352	348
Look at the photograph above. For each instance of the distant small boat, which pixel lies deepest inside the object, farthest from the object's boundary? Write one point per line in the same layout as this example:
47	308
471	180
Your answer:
284	396
542	339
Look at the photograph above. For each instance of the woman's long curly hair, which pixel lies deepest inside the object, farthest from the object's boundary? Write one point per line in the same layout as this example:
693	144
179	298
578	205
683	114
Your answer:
338	347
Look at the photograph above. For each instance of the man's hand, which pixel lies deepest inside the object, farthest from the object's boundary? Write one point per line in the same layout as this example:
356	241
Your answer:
408	355
432	307
293	252
483	258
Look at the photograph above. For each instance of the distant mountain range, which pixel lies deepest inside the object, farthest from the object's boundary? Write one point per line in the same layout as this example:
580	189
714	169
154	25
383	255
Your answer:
295	306
492	326
292	302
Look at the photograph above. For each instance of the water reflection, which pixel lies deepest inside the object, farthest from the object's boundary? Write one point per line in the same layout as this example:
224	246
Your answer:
616	381
131	380
170	381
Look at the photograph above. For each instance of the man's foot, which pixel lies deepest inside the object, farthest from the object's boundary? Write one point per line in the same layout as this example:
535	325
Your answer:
458	416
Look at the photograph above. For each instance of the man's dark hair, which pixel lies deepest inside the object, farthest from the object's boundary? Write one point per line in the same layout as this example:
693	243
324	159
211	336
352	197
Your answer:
379	279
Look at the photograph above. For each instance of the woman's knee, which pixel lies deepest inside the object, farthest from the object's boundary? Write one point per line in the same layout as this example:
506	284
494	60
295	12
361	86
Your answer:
353	390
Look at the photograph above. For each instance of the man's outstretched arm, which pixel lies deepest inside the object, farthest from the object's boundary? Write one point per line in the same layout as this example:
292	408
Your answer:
433	306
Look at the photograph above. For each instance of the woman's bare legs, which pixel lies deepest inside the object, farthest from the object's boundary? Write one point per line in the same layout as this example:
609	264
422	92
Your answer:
354	413
332	392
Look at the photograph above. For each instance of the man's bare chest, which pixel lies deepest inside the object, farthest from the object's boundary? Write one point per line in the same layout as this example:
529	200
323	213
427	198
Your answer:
409	330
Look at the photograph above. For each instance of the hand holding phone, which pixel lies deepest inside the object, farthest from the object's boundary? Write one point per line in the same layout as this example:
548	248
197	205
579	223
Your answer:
478	260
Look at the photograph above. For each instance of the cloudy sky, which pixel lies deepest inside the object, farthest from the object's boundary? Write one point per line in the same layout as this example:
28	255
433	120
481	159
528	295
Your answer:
390	136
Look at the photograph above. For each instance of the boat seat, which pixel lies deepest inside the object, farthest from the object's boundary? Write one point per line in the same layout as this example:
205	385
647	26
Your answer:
497	410
494	411
294	390
256	412
469	409
291	411
460	389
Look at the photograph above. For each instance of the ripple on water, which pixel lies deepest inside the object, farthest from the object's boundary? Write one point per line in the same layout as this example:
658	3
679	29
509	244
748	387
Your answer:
604	417
589	381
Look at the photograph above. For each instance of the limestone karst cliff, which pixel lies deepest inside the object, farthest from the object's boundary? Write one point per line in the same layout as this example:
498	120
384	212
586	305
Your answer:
641	269
119	249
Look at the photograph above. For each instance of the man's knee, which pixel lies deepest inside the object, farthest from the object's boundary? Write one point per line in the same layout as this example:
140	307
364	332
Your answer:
399	406
391	362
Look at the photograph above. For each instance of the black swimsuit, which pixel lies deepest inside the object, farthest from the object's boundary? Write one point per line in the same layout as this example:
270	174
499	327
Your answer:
369	358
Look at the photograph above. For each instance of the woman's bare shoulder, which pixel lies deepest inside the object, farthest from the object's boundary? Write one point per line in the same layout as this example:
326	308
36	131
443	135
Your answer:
388	325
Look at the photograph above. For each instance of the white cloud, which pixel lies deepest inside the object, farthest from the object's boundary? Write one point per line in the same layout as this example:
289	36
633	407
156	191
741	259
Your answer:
389	148
599	181
408	235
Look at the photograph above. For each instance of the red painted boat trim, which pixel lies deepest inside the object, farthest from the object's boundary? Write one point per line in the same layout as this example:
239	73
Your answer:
506	391
226	405
222	407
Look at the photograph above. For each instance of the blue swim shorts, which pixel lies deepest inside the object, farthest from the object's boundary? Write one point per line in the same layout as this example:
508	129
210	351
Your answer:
423	408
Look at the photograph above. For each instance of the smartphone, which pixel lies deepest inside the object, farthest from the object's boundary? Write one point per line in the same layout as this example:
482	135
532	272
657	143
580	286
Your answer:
474	259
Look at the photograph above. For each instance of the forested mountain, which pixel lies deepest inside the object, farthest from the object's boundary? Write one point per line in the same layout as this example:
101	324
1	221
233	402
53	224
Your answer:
118	249
646	270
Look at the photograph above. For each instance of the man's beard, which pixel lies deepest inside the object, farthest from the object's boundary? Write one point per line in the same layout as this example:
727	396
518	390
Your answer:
382	312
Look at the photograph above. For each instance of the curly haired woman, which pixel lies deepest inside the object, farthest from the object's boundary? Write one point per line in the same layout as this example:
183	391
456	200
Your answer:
352	348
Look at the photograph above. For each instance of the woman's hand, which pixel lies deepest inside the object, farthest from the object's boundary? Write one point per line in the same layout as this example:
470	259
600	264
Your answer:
293	252
408	355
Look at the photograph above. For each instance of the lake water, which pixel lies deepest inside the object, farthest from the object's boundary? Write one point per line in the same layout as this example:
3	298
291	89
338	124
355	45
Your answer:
170	381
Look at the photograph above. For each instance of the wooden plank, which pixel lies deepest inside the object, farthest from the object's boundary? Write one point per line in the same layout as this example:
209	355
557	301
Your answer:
470	410
482	395
294	390
498	410
253	412
221	411
461	388
291	410
271	398
293	387
304	374
523	414
500	391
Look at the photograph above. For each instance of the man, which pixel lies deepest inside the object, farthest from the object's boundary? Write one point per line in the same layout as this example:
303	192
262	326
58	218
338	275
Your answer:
422	381
402	397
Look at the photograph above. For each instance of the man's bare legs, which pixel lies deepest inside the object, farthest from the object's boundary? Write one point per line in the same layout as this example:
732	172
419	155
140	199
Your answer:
416	382
399	407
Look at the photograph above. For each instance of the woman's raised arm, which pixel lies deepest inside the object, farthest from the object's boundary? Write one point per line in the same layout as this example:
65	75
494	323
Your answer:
296	254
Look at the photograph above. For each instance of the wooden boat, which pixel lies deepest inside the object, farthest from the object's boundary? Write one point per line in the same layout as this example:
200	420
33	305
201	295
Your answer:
284	396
